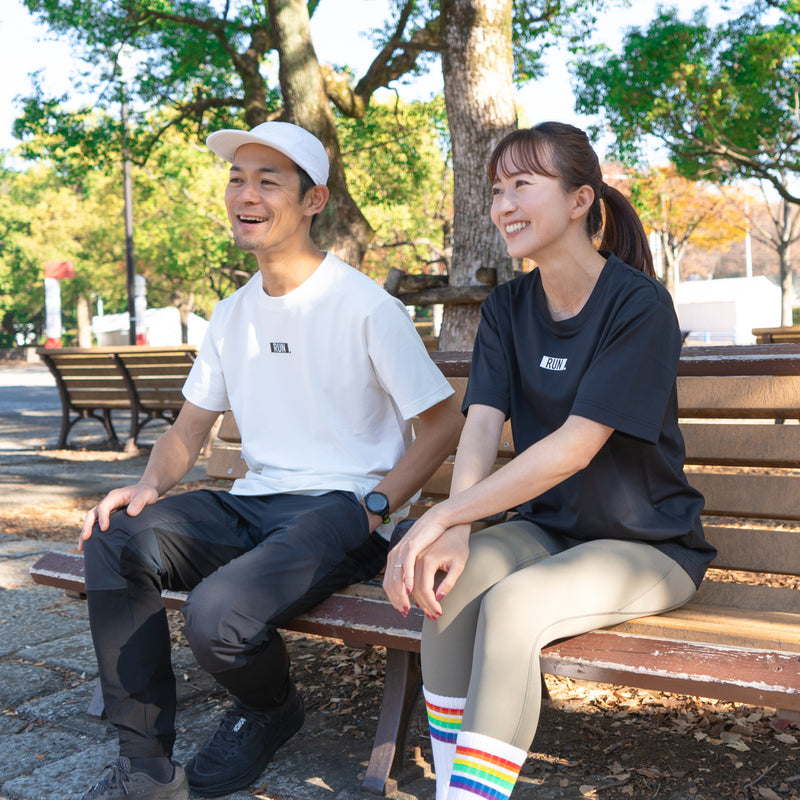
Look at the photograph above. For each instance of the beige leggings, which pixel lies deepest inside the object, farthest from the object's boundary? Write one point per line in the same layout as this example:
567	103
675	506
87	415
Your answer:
523	588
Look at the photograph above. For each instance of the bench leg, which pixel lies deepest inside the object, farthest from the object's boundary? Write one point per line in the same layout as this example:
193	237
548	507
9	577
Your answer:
65	426
402	684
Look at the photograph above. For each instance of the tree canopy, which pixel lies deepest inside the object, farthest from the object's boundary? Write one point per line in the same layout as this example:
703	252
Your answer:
203	64
209	64
722	100
679	211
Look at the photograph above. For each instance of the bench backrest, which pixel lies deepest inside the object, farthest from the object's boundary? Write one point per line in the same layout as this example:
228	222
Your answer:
740	408
87	377
157	373
105	376
740	412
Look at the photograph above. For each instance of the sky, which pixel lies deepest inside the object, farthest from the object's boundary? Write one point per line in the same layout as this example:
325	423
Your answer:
27	48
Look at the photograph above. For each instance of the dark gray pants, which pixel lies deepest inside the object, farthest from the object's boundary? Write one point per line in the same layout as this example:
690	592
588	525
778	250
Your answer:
249	563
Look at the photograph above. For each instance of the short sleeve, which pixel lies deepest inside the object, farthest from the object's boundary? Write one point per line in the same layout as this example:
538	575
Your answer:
205	385
402	365
631	378
489	382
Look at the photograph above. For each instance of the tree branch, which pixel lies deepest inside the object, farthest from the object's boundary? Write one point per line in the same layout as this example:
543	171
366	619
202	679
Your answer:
396	58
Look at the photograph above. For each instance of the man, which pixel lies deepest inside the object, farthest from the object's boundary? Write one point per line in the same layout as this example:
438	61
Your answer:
323	371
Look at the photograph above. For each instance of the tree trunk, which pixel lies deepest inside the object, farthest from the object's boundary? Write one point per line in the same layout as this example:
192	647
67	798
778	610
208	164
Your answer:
477	67
341	227
84	322
185	305
671	254
786	276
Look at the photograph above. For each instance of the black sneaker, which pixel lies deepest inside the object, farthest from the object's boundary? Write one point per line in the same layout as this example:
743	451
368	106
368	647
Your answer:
243	744
122	784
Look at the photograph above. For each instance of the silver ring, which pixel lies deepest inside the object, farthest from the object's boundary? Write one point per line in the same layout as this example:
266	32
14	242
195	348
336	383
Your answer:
397	566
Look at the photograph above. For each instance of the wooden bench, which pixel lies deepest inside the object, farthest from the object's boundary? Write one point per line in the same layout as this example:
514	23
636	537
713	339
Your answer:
737	640
786	333
94	382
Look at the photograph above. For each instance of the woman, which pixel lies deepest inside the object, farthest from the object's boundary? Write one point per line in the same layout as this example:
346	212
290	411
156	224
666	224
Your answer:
581	354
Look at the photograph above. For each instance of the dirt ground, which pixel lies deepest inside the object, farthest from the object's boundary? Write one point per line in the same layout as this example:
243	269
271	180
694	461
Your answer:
594	741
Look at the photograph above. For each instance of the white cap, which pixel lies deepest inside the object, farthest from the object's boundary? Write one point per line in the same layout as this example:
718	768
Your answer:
293	141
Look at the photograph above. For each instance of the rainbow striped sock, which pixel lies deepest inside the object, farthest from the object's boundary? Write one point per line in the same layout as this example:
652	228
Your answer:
484	767
444	720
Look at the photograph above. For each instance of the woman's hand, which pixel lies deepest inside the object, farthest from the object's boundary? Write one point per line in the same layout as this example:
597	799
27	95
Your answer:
448	554
403	560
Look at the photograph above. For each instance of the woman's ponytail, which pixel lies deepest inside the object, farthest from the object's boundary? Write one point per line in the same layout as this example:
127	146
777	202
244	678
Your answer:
623	232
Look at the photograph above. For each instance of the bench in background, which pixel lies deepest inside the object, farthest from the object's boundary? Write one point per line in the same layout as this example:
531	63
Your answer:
93	382
737	640
786	333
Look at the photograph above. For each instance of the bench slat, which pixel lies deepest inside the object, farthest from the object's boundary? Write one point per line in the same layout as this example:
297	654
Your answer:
647	649
755	549
226	463
742	444
228	432
740	396
755	496
759	678
86	361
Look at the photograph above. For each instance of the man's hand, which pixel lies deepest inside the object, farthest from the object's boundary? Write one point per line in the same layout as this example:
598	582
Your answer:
133	498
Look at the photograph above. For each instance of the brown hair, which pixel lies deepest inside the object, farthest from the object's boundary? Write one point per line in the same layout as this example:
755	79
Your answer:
562	151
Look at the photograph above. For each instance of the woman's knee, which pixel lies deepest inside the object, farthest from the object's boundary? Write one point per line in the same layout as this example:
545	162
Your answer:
509	617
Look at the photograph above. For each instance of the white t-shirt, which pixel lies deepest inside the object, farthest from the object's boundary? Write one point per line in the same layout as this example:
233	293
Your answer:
323	381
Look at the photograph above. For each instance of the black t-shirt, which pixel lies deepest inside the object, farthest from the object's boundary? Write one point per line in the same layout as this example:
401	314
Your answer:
615	362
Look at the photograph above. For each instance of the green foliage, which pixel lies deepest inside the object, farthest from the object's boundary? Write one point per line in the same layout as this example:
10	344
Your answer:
184	62
182	239
45	219
721	99
536	25
399	175
182	244
539	25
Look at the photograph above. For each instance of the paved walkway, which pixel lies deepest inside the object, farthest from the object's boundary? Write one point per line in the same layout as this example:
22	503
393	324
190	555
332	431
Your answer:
50	749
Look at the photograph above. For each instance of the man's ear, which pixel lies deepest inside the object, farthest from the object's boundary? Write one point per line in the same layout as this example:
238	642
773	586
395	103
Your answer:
583	198
315	199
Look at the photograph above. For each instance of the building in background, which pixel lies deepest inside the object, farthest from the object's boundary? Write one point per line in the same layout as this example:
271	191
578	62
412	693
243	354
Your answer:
725	311
162	326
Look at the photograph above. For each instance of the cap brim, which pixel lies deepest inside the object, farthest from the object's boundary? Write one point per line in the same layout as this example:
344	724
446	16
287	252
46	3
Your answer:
225	143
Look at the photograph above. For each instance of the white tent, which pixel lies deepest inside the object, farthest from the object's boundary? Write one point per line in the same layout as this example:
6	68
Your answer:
725	311
162	326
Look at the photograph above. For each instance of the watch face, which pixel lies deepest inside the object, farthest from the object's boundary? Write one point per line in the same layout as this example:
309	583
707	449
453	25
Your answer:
377	503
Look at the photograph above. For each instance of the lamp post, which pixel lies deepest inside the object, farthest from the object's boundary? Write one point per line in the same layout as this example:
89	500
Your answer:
124	63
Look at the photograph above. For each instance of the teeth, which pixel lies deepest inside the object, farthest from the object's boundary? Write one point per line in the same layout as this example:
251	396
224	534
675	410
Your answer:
251	219
517	226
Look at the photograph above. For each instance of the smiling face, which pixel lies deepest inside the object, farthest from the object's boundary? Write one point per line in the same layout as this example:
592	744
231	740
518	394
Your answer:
263	201
532	211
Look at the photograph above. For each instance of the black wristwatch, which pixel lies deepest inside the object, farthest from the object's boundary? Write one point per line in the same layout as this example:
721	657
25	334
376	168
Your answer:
378	503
